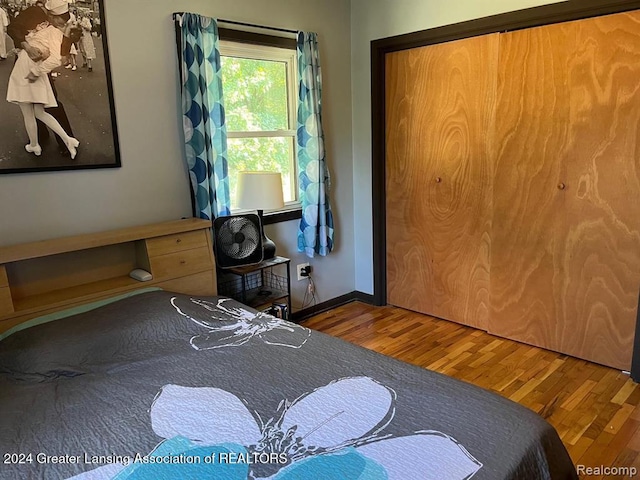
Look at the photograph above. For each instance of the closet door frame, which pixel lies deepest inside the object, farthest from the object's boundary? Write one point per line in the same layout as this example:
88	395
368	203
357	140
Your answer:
520	19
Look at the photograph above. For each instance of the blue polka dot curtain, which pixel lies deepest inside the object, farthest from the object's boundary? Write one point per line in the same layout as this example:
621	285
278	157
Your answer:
315	235
205	133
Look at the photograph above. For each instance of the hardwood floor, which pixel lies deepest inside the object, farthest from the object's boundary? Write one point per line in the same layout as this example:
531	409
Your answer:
595	409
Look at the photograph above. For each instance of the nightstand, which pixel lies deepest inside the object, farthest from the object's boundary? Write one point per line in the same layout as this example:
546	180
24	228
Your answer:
264	286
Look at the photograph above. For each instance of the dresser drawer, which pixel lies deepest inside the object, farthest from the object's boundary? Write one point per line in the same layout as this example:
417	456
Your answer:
6	304
202	283
179	264
178	242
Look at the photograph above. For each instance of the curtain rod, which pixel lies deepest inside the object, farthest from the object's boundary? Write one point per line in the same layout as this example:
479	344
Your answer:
285	30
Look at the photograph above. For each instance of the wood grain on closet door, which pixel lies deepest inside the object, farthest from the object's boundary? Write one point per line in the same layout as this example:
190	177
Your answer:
602	227
532	141
439	119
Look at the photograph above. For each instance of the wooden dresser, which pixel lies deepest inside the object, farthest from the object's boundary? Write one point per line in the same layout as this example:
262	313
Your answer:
42	277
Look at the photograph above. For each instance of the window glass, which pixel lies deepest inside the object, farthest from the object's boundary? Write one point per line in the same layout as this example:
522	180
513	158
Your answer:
255	94
259	86
270	154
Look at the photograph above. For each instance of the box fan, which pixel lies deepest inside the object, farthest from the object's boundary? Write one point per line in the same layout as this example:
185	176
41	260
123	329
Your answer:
237	240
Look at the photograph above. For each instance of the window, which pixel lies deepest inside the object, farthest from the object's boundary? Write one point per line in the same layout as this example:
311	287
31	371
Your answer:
259	84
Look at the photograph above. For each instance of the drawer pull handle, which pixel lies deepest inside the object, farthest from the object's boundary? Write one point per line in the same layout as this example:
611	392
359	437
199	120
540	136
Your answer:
438	179
178	240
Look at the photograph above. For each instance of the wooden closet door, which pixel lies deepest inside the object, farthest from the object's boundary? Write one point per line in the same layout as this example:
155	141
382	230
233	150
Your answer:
565	262
439	119
532	141
602	265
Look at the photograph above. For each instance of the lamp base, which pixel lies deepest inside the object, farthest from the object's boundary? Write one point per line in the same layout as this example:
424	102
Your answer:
268	247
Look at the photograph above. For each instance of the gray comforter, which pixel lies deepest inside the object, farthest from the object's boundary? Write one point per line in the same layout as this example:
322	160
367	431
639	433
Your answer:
162	385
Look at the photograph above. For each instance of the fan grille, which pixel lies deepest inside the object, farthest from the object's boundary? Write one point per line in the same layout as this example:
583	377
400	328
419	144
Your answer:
238	240
238	237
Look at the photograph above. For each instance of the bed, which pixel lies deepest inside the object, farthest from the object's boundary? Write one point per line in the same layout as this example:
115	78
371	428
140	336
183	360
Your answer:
160	385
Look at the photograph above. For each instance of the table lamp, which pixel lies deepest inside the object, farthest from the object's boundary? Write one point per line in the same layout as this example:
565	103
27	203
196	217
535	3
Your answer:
261	191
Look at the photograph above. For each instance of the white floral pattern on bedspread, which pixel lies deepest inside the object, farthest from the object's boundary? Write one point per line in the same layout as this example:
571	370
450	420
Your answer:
334	432
232	326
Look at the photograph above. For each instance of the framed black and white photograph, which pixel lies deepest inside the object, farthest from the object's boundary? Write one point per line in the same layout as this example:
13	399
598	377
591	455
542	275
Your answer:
56	98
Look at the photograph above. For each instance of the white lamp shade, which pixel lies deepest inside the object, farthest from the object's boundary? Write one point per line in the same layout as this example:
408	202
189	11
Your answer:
259	190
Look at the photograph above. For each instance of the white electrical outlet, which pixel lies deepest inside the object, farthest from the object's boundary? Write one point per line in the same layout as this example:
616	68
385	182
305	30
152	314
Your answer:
299	270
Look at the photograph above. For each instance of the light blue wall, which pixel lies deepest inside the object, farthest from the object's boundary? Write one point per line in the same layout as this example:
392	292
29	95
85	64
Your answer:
375	19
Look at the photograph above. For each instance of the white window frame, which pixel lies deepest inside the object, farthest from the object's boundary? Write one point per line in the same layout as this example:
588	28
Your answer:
230	48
